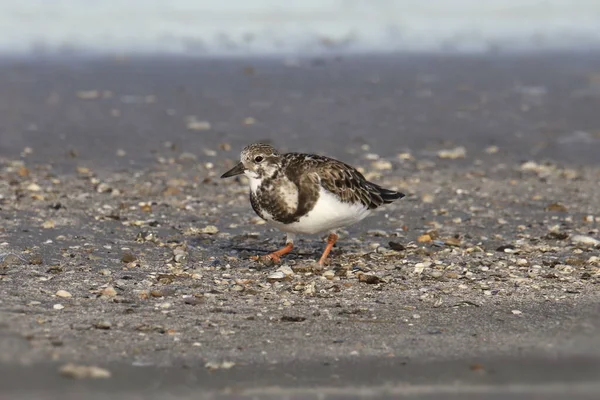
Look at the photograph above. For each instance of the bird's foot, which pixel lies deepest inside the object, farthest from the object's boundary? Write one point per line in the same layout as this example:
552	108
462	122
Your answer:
268	260
317	267
275	257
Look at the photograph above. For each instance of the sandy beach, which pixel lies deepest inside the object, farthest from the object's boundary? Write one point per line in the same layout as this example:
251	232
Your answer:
124	251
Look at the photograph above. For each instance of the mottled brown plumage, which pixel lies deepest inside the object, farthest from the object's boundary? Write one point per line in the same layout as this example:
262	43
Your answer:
306	193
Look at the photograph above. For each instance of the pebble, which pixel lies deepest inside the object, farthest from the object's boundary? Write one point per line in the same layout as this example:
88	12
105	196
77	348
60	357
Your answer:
377	232
370	279
83	372
49	224
58	306
194	124
34	187
396	246
585	240
310	288
276	276
329	274
517	312
216	365
530	166
128	257
522	262
286	270
381	165
108	292
63	294
209	230
103	325
452	154
424	239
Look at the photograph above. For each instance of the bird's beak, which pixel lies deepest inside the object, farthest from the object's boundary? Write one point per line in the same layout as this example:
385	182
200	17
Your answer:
237	170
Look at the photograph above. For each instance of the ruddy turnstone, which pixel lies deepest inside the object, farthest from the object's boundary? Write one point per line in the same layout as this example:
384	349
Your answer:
307	193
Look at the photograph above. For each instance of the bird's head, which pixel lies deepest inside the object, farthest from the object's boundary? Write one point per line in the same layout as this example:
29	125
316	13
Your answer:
258	161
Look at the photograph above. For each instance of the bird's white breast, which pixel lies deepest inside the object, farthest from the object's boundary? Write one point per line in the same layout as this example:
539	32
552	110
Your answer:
328	214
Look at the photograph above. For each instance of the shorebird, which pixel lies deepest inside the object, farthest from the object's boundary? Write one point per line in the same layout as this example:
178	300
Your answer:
307	193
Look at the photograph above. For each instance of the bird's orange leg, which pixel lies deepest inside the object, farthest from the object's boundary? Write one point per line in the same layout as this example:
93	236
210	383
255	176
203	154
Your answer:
331	239
276	255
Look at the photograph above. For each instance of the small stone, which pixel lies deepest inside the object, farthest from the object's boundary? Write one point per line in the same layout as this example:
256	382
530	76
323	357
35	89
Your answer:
310	289
292	318
209	230
530	166
286	270
419	267
556	235
424	239
276	277
491	149
216	365
34	187
49	224
105	325
88	94
507	248
377	232
585	240
457	152
128	257
396	246
517	312
84	372
194	124
556	207
36	260
63	294
370	279
427	198
225	146
452	241
329	274
58	306
382	165
194	301
108	292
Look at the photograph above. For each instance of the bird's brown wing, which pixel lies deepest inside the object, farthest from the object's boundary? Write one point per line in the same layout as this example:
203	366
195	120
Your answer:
338	178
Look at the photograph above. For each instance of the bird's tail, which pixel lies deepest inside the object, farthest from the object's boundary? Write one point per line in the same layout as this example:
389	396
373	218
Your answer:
389	195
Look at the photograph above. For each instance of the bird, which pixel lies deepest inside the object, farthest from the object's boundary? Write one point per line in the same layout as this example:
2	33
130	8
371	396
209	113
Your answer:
300	193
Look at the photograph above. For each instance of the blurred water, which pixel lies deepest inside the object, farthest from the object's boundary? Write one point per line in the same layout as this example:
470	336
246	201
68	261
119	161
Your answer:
212	27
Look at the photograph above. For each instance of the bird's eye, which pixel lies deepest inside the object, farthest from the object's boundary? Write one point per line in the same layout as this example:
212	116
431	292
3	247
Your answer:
258	159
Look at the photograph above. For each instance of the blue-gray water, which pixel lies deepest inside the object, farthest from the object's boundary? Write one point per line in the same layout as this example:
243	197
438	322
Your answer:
263	27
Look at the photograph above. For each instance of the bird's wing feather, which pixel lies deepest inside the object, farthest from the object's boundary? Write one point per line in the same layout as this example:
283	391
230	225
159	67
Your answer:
338	178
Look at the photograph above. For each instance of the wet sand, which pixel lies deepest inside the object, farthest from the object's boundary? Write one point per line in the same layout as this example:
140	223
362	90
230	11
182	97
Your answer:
483	280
